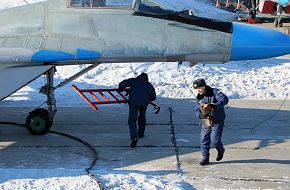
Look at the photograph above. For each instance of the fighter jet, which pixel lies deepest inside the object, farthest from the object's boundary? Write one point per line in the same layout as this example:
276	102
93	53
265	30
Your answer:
36	38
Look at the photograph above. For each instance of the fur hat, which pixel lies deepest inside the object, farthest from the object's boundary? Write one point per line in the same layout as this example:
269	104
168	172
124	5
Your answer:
198	83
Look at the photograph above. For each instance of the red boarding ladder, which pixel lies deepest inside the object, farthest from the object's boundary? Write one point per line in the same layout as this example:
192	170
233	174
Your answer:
106	96
102	96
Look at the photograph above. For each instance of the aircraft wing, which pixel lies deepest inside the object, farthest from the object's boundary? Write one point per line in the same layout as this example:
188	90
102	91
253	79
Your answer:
15	77
20	66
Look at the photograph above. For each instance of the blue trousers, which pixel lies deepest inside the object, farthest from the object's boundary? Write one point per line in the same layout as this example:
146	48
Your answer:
137	113
211	135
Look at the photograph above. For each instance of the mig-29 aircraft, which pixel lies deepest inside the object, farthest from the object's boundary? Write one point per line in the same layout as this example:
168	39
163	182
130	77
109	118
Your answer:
36	38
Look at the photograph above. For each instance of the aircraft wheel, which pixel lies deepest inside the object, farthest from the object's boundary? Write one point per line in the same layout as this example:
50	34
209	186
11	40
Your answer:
38	122
276	22
46	112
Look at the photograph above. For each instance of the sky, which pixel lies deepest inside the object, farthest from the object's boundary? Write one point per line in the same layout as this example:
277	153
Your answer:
267	79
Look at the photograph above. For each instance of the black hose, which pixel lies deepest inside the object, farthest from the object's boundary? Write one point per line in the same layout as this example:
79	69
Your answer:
12	123
93	150
263	121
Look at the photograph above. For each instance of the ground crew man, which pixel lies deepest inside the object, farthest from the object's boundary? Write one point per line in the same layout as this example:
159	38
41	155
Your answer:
209	109
141	93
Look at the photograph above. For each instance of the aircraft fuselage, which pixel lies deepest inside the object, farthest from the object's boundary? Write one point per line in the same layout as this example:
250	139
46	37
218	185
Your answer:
116	34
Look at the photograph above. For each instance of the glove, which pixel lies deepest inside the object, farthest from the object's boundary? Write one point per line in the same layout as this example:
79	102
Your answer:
211	107
125	90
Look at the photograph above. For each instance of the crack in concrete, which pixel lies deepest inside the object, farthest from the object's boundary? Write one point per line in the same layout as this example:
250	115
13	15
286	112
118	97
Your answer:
278	180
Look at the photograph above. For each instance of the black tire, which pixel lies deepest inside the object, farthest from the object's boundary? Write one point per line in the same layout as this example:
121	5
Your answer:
38	122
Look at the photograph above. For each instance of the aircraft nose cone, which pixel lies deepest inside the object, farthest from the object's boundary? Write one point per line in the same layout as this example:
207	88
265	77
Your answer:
250	42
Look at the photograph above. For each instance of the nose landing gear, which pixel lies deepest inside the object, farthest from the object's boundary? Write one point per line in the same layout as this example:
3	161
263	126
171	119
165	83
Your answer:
39	121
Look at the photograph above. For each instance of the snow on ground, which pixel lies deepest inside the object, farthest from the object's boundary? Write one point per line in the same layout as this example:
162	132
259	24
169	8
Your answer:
74	179
262	79
12	179
200	8
4	4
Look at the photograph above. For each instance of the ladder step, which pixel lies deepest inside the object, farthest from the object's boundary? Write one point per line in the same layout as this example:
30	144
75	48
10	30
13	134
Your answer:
106	96
101	96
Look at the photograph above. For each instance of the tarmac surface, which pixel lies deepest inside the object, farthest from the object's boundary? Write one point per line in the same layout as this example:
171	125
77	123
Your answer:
256	137
285	29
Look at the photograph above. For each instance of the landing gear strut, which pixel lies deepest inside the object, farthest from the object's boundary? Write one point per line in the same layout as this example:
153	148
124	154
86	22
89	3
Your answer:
40	120
278	21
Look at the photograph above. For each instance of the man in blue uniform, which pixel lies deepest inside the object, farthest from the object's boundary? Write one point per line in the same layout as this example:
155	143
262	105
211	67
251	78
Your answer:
209	108
141	93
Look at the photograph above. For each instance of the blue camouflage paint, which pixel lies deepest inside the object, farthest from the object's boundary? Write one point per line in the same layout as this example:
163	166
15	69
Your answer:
251	42
82	54
51	56
54	56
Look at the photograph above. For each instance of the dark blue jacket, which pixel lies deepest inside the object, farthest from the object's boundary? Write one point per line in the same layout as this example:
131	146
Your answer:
215	96
141	91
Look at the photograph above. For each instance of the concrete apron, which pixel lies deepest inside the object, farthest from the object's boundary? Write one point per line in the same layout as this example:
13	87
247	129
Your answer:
256	158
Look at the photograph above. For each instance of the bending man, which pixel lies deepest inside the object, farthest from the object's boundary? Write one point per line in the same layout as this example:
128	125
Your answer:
141	93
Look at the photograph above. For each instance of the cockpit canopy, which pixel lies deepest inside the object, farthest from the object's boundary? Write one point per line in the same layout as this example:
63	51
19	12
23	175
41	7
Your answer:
154	7
157	7
100	3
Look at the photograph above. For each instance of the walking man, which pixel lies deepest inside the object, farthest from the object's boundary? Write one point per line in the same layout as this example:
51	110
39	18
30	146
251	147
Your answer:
209	108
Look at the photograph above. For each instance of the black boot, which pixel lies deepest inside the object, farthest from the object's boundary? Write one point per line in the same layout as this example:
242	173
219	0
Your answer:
220	155
204	162
134	143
